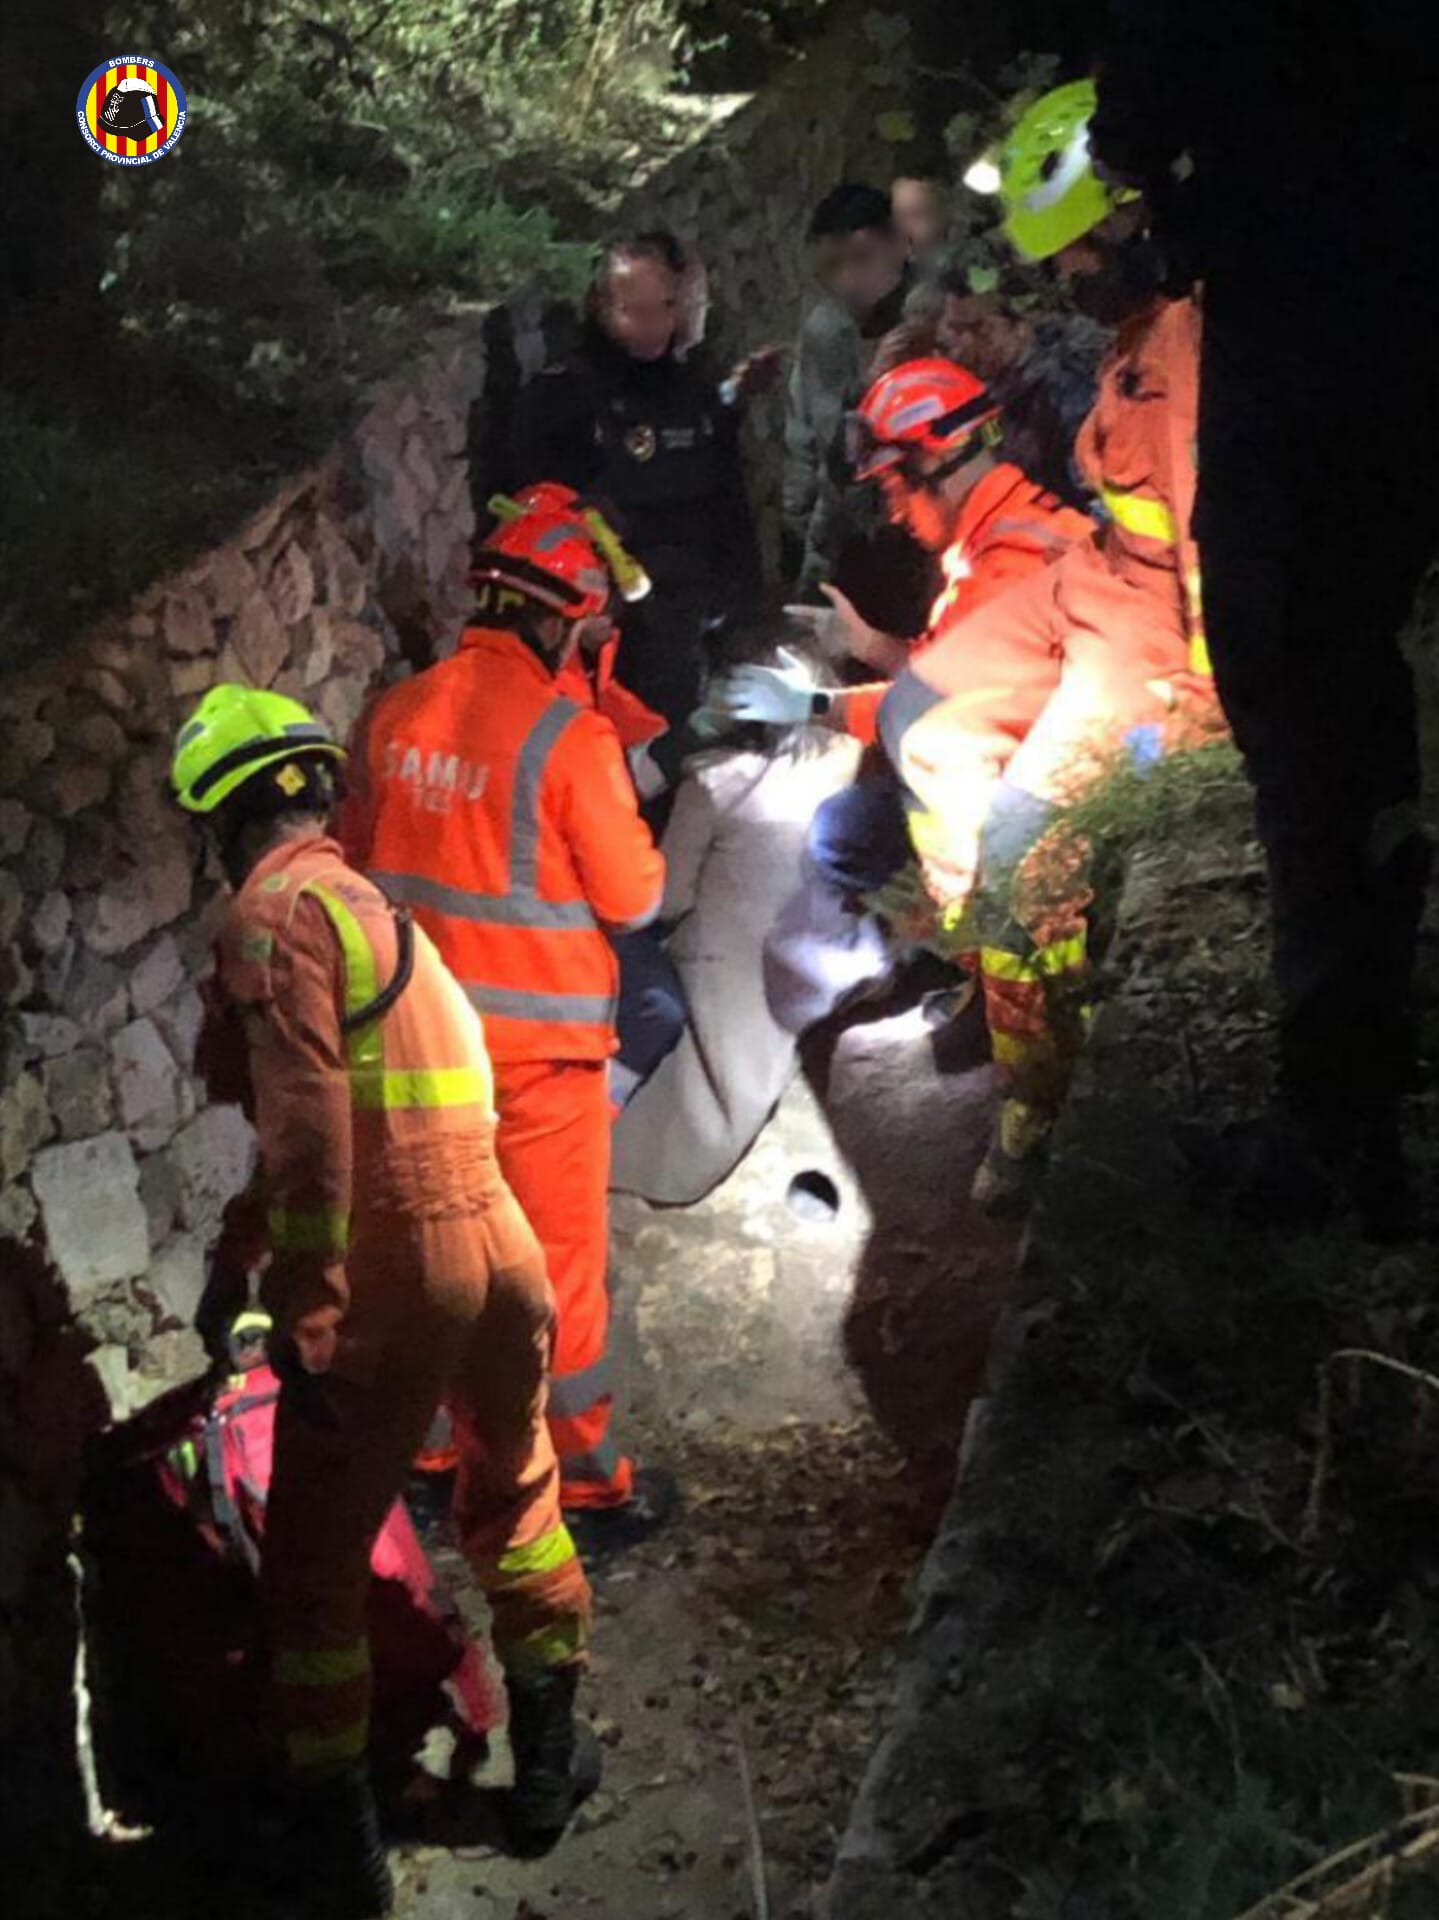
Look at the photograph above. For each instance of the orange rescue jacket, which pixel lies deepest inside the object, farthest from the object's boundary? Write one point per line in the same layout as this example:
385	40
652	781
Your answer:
1008	529
502	813
1138	452
371	1092
596	686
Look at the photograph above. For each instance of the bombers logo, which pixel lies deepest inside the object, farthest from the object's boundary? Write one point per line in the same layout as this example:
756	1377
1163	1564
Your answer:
131	110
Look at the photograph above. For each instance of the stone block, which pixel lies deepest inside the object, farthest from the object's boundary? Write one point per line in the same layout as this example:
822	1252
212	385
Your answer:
25	1123
146	1084
189	629
96	995
190	678
50	924
136	904
315	650
41	1036
159	1194
291	586
15	820
100	736
342	575
89	1197
158	976
213	1156
108	688
18	1214
39	867
257	643
77	1086
229	582
180	1020
176	1278
12	906
17	982
25	745
421	468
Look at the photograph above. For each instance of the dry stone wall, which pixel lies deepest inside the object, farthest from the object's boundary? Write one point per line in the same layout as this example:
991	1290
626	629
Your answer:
113	1169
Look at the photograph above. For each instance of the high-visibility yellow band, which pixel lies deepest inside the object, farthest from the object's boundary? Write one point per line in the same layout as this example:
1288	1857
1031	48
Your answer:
1007	1050
1061	956
551	1550
325	1230
330	1667
365	1047
556	1646
316	1752
1146	519
384	1089
1199	661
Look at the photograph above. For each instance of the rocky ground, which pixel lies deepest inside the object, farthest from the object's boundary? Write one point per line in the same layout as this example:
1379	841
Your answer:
743	1659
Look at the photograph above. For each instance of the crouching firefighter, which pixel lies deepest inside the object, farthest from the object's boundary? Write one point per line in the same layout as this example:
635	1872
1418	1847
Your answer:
403	1275
1017	709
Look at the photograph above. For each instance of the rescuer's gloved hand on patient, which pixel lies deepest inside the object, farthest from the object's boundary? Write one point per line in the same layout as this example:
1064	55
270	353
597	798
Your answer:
782	696
841	631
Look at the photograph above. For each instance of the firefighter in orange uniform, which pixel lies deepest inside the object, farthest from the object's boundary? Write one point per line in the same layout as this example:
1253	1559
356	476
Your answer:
1029	699
499	810
403	1273
929	433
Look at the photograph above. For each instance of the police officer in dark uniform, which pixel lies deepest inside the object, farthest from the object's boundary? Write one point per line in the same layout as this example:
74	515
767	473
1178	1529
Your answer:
633	418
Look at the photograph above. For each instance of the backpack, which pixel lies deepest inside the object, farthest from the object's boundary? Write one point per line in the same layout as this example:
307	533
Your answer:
174	1520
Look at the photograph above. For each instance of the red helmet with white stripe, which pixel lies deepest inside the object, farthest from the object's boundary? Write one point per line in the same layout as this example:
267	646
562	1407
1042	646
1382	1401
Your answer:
922	407
554	550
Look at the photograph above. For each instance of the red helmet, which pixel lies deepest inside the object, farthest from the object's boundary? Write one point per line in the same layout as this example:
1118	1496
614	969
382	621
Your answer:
553	550
923	406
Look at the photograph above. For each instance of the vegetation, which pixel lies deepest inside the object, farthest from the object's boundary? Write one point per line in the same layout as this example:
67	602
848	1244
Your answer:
348	173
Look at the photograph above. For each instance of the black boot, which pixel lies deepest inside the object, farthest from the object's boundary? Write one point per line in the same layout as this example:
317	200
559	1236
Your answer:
328	1851
557	1760
601	1531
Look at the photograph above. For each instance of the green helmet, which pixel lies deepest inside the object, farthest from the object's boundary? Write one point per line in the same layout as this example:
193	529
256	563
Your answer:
1052	195
235	733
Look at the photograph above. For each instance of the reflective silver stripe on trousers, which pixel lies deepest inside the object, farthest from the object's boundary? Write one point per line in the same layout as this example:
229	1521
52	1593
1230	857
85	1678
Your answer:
575	1393
600	1463
521	906
515	1003
489	909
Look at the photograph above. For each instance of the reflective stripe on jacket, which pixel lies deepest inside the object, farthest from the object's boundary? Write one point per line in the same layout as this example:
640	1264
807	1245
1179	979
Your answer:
502	814
1138	451
361	1120
1009	528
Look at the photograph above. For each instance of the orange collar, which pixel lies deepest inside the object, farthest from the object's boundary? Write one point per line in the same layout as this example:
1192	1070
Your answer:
505	646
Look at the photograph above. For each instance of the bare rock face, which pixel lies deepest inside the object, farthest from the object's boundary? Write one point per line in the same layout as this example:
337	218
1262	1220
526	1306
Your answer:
89	1197
15	820
177	1277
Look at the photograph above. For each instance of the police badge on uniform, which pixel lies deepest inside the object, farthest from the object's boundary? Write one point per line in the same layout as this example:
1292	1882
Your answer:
641	443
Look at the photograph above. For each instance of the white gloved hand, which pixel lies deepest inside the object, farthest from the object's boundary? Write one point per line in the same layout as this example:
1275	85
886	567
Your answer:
781	696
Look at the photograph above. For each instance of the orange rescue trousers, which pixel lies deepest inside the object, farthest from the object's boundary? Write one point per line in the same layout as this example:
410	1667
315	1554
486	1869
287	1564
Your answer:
554	1147
478	1337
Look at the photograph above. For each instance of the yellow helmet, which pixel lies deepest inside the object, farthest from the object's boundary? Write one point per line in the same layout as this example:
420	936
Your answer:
235	733
1052	195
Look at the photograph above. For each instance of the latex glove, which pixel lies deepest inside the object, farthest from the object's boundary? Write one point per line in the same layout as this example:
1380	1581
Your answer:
841	630
781	696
